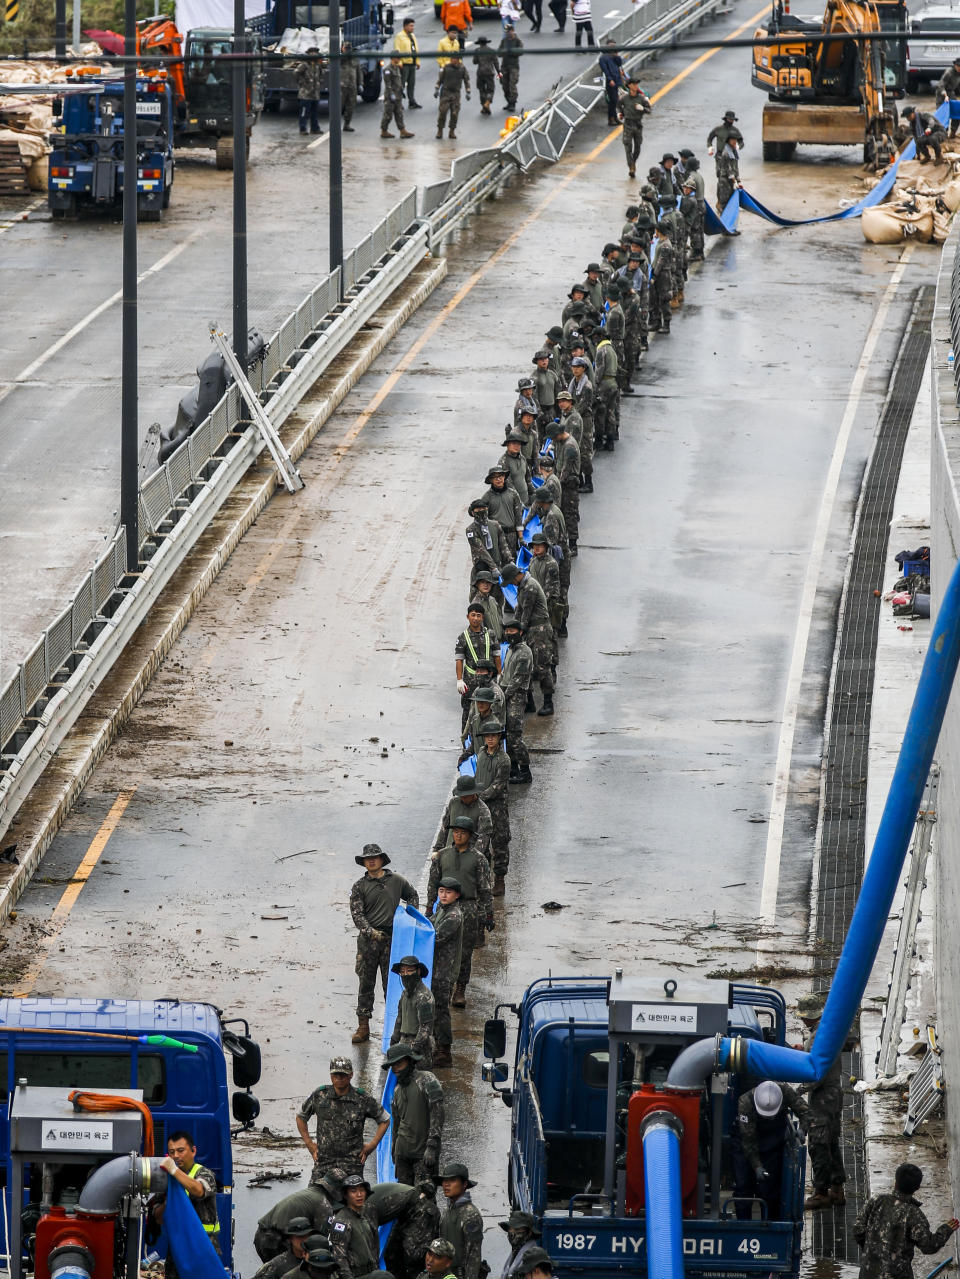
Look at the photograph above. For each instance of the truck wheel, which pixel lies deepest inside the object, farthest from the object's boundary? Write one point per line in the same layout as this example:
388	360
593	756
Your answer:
224	153
370	89
771	151
166	197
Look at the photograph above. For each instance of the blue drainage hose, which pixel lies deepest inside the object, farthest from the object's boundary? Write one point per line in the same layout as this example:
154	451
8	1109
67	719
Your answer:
664	1203
770	1061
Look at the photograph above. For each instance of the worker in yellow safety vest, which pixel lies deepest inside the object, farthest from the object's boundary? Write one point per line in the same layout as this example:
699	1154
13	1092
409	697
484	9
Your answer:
199	1183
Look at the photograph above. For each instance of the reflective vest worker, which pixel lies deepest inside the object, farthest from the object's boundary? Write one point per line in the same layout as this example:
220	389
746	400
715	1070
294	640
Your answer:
199	1183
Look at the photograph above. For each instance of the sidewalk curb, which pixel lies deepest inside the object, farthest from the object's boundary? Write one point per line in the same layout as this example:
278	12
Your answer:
55	794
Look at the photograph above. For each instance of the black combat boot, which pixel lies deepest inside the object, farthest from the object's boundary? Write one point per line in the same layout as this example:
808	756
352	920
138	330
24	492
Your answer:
531	704
547	707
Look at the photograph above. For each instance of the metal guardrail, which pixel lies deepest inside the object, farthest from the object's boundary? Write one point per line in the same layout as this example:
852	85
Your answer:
46	694
199	476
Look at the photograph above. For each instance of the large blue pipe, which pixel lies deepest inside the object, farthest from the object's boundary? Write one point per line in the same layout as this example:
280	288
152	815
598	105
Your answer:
770	1061
661	1133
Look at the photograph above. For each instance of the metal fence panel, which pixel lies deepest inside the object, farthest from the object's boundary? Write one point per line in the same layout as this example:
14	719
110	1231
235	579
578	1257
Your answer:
82	610
432	196
33	676
559	131
408	209
120	555
104	581
379	243
58	642
179	471
545	148
465	166
11	709
198	445
155	496
349	271
302	324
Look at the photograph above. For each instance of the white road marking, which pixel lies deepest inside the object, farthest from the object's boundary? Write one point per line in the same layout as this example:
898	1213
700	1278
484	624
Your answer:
22	215
788	724
26	374
612	14
318	142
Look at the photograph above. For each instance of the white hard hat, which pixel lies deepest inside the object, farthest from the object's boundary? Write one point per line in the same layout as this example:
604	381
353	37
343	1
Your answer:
768	1098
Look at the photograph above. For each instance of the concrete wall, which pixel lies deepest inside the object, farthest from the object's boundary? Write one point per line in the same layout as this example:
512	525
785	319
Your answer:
945	549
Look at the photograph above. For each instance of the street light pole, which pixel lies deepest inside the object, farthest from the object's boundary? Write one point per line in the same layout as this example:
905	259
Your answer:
128	358
336	144
60	30
239	187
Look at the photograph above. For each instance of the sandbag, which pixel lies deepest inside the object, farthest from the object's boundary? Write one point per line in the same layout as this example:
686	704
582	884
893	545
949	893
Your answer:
888	224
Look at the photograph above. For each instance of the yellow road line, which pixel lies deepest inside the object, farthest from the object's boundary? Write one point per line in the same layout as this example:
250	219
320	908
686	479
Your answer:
73	890
467	287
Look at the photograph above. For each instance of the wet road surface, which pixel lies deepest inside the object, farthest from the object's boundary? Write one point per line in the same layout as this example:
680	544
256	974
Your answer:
310	705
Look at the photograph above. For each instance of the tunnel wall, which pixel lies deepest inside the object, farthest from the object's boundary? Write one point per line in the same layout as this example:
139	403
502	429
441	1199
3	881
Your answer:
945	548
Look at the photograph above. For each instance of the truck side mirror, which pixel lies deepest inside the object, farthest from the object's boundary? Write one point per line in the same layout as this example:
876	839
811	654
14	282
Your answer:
494	1072
246	1064
57	108
245	1108
495	1038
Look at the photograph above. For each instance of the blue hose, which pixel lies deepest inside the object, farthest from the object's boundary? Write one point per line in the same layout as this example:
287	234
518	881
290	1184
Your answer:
770	1061
662	1195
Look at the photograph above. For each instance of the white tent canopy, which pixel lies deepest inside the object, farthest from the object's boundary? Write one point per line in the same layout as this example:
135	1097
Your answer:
212	13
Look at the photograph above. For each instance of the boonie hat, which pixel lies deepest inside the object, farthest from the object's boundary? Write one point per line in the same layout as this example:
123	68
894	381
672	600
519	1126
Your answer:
372	850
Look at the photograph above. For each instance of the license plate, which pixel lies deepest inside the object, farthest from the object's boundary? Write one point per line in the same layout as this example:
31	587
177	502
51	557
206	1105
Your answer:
148	108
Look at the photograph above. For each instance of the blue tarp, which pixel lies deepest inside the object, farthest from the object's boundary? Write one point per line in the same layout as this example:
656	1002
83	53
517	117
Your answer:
194	1254
412	935
469	767
726	222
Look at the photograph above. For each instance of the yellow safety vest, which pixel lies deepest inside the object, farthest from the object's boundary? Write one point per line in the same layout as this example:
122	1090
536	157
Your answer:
473	652
215	1228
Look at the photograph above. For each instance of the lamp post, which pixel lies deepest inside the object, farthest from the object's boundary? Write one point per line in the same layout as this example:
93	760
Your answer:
239	186
336	144
128	358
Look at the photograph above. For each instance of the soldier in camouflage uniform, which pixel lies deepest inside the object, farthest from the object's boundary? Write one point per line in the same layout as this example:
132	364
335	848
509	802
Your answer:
373	902
341	1112
493	777
532	612
547	380
485	537
504	505
568	473
413	1212
606	427
461	1222
417	1113
582	390
354	1240
693	177
349	85
317	1263
463	861
393	99
484	585
676	229
615	328
308	75
487	73
661	286
298	1231
515	682
317	1203
415	1011
465	801
554	528
890	1227
758	1140
728	172
543	568
524	1235
488	702
824	1114
452	77
632	106
438	1261
448	926
517	466
473	644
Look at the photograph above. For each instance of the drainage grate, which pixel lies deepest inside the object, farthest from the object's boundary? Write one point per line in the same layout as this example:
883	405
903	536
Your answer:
843	828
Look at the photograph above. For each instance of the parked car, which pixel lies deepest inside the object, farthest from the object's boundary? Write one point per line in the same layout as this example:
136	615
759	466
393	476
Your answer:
927	59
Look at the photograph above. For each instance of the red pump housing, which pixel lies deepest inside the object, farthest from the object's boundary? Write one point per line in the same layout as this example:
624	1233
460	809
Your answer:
57	1230
686	1107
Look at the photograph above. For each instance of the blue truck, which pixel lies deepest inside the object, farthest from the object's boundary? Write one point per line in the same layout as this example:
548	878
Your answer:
591	1061
86	162
365	24
172	1055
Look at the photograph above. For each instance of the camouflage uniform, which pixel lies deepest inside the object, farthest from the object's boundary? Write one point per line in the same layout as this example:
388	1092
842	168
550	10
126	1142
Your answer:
498	710
355	1244
488	546
664	260
488	68
509	49
758	1144
476	900
824	1110
632	110
449	82
493	775
313	1203
277	1266
533	613
349	87
568	472
615	329
581	388
373	903
606	413
415	1217
492	614
888	1229
448	924
477	811
462	1225
505	507
417	1110
206	1210
515	682
392	98
545	570
414	1024
728	175
470	648
340	1122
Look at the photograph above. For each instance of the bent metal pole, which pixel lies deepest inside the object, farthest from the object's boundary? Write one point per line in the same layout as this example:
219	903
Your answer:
770	1061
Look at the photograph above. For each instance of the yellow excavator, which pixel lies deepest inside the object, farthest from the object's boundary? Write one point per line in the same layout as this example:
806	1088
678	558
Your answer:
833	92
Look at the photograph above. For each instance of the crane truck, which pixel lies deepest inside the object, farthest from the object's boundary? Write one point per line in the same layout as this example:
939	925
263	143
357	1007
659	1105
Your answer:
833	92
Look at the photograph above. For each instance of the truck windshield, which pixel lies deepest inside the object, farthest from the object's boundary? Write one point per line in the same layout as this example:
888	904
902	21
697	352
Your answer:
937	24
209	78
88	1070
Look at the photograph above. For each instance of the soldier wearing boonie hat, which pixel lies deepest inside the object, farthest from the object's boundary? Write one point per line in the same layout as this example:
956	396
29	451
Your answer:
373	903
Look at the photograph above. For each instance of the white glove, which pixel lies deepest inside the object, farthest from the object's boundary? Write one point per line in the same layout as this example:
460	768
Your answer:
461	687
709	150
168	1165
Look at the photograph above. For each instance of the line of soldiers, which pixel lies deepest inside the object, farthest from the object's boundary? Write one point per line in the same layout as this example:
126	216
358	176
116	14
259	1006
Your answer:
567	409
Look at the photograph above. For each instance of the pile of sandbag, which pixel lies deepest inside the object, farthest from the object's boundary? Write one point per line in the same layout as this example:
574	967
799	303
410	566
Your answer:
301	39
920	206
32	114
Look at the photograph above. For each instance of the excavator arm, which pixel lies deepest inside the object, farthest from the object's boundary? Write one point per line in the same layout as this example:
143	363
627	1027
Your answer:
159	36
